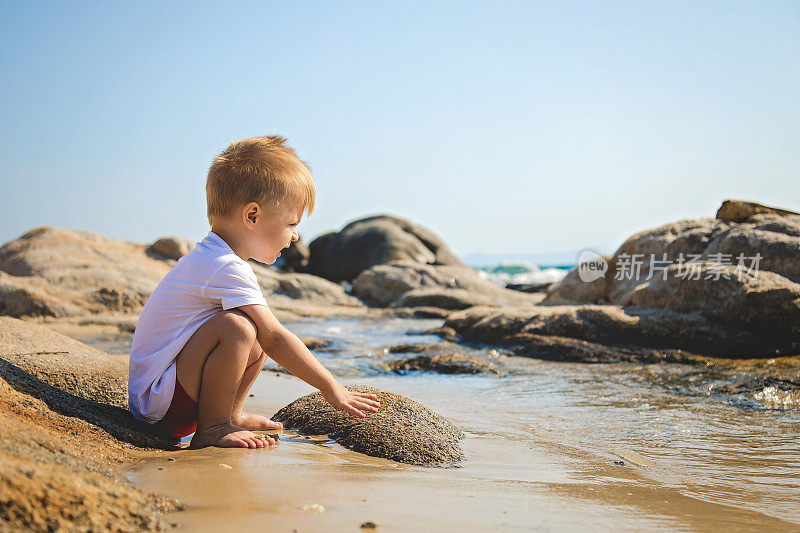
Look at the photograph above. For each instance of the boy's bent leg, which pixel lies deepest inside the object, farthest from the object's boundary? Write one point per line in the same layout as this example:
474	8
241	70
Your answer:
248	420
210	368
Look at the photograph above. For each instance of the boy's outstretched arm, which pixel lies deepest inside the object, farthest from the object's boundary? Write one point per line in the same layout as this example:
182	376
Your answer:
287	350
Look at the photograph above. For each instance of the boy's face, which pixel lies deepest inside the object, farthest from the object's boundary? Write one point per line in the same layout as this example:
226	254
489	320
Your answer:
274	231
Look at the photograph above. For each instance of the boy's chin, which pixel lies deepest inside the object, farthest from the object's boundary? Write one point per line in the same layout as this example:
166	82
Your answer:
265	260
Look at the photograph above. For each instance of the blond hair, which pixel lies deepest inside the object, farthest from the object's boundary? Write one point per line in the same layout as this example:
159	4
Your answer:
258	169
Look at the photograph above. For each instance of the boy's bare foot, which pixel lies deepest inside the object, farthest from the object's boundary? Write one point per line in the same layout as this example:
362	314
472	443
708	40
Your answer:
255	422
228	436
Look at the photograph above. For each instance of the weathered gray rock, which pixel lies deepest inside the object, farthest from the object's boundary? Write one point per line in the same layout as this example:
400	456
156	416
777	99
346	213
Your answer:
406	284
443	299
768	304
402	430
172	247
447	363
740	211
376	240
417	348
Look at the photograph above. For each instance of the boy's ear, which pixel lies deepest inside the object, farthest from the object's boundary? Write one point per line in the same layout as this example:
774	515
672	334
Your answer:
251	212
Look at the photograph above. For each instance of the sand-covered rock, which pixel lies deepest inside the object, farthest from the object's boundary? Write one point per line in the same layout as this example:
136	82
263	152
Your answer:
410	284
446	363
63	431
64	363
402	430
341	256
73	379
58	473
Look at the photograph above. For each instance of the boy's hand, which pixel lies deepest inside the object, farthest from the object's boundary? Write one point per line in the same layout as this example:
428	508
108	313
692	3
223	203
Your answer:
351	402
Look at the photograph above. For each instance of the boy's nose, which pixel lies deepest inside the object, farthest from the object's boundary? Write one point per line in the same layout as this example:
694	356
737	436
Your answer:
294	236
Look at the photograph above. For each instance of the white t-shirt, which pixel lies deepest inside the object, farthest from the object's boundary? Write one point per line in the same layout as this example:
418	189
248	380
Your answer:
210	279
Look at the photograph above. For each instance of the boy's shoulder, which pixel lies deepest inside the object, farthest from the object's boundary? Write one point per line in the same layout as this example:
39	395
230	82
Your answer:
212	256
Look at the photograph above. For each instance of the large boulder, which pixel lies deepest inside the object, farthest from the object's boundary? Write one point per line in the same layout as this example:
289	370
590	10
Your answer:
341	256
411	284
402	430
743	273
62	272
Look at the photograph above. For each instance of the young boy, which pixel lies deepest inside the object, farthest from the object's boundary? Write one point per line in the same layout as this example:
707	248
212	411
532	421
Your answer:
206	331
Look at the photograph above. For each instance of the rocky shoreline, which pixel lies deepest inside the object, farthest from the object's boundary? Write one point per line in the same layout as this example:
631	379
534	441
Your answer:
63	423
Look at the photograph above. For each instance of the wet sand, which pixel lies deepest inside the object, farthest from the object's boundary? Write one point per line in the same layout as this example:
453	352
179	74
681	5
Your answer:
533	483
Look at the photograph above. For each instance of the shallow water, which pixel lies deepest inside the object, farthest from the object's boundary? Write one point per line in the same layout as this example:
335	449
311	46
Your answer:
549	446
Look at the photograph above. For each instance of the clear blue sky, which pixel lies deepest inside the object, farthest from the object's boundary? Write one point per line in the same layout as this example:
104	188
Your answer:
505	127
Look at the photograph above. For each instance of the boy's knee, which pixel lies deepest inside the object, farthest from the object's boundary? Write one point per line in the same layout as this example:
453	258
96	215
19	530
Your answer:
239	324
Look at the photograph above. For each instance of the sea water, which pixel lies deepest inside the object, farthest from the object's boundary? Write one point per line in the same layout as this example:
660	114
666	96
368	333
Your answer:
523	273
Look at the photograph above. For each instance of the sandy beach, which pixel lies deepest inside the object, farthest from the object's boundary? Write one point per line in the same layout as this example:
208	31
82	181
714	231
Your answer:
308	483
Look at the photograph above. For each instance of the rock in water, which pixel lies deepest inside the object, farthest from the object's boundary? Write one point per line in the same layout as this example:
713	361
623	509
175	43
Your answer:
448	363
402	430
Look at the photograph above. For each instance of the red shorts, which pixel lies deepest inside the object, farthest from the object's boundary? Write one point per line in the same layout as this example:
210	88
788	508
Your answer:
181	417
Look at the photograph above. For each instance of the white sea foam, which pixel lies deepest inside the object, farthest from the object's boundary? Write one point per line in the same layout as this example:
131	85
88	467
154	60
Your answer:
506	273
776	396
